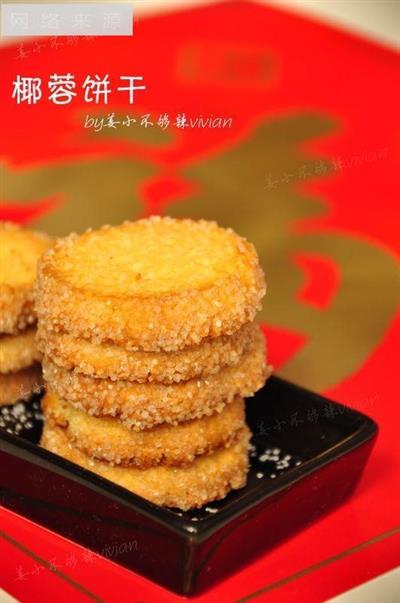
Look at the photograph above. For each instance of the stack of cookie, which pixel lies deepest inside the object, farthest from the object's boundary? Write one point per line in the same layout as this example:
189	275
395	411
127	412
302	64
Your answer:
20	373
149	349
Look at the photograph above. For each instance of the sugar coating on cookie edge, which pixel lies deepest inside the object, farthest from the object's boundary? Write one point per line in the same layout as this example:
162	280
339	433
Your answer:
143	405
158	283
20	250
18	351
208	478
115	362
107	439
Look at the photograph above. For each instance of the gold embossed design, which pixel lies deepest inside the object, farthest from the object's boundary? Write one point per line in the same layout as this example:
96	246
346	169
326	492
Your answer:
255	188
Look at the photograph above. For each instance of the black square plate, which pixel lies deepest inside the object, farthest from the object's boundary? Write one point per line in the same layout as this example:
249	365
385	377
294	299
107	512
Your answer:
308	454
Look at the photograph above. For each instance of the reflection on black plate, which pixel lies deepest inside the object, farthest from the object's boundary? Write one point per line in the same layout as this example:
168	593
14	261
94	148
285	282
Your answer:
307	455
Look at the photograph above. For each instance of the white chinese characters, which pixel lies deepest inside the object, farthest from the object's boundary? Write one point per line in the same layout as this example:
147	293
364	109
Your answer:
131	87
27	90
50	21
19	21
63	88
96	89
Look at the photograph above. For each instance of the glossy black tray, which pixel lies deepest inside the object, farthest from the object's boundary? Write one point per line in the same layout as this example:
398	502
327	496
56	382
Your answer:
308	454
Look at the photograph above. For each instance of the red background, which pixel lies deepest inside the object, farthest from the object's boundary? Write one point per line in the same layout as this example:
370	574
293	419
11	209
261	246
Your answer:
327	70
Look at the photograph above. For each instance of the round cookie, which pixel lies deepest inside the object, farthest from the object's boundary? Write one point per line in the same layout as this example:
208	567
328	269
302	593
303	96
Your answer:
157	284
107	439
114	362
18	351
144	405
208	478
20	385
19	252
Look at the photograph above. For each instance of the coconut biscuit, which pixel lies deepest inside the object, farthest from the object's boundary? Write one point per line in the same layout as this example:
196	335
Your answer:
154	284
107	439
208	478
115	362
144	405
20	250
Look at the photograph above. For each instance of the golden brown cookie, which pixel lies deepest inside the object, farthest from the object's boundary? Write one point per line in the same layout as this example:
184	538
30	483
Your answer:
112	361
20	385
144	405
157	284
18	351
109	440
19	252
208	478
